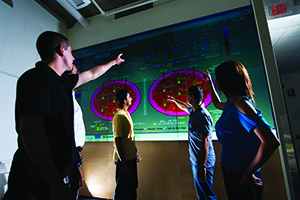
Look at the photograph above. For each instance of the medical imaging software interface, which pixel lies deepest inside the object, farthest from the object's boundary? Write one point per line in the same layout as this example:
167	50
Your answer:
167	61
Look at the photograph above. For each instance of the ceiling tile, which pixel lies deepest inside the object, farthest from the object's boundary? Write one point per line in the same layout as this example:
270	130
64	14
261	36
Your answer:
284	22
292	32
291	65
295	58
287	44
282	57
276	34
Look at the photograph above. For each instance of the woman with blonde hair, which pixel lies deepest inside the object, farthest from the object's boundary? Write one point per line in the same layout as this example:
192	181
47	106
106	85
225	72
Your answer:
246	138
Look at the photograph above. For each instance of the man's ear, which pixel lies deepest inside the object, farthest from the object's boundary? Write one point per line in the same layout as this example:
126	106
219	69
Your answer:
60	50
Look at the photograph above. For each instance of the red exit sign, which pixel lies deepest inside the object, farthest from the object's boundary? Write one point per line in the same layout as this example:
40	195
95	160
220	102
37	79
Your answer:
279	8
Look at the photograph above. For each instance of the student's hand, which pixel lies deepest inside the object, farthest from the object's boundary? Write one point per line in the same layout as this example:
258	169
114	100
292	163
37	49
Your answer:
201	174
251	181
118	59
207	76
171	99
138	158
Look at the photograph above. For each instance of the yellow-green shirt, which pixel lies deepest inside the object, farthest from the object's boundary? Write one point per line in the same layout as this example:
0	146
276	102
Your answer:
123	127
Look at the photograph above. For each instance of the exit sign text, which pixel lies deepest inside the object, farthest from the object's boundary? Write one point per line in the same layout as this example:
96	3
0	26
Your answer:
279	8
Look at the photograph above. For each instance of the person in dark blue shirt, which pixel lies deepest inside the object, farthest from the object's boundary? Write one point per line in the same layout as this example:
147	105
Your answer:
247	139
202	155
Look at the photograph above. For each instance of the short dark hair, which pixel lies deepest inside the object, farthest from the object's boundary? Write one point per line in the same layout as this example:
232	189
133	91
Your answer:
121	96
197	91
48	43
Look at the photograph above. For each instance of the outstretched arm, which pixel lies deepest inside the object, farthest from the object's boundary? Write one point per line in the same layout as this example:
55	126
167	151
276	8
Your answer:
97	71
215	97
180	104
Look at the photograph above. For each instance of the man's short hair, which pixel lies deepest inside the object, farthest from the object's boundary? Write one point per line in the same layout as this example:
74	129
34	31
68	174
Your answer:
48	43
197	91
121	96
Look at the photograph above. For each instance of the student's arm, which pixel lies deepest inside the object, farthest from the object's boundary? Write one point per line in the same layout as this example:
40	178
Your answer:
204	150
180	104
97	71
269	144
214	95
37	148
120	151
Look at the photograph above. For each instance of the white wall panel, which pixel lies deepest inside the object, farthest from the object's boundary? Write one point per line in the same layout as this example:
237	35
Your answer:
20	26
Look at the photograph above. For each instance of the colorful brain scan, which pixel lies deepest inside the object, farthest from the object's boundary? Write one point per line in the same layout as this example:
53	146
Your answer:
103	103
176	84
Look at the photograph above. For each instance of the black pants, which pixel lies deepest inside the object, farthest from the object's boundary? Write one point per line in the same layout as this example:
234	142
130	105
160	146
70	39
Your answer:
237	192
126	186
21	186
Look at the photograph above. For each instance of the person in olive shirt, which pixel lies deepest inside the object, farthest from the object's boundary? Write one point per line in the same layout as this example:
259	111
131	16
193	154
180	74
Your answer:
126	156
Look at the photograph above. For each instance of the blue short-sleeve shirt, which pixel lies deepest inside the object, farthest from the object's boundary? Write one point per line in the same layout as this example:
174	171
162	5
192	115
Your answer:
200	122
235	132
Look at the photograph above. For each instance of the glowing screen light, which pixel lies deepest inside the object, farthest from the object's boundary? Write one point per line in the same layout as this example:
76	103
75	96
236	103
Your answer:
176	84
167	61
103	101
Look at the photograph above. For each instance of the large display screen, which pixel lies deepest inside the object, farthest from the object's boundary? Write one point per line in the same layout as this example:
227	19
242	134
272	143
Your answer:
167	61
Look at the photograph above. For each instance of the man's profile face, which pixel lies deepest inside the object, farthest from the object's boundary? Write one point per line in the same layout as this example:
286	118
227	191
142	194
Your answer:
128	100
68	58
189	98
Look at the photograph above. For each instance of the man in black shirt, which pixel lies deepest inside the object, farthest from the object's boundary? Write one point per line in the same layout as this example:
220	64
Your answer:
45	163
